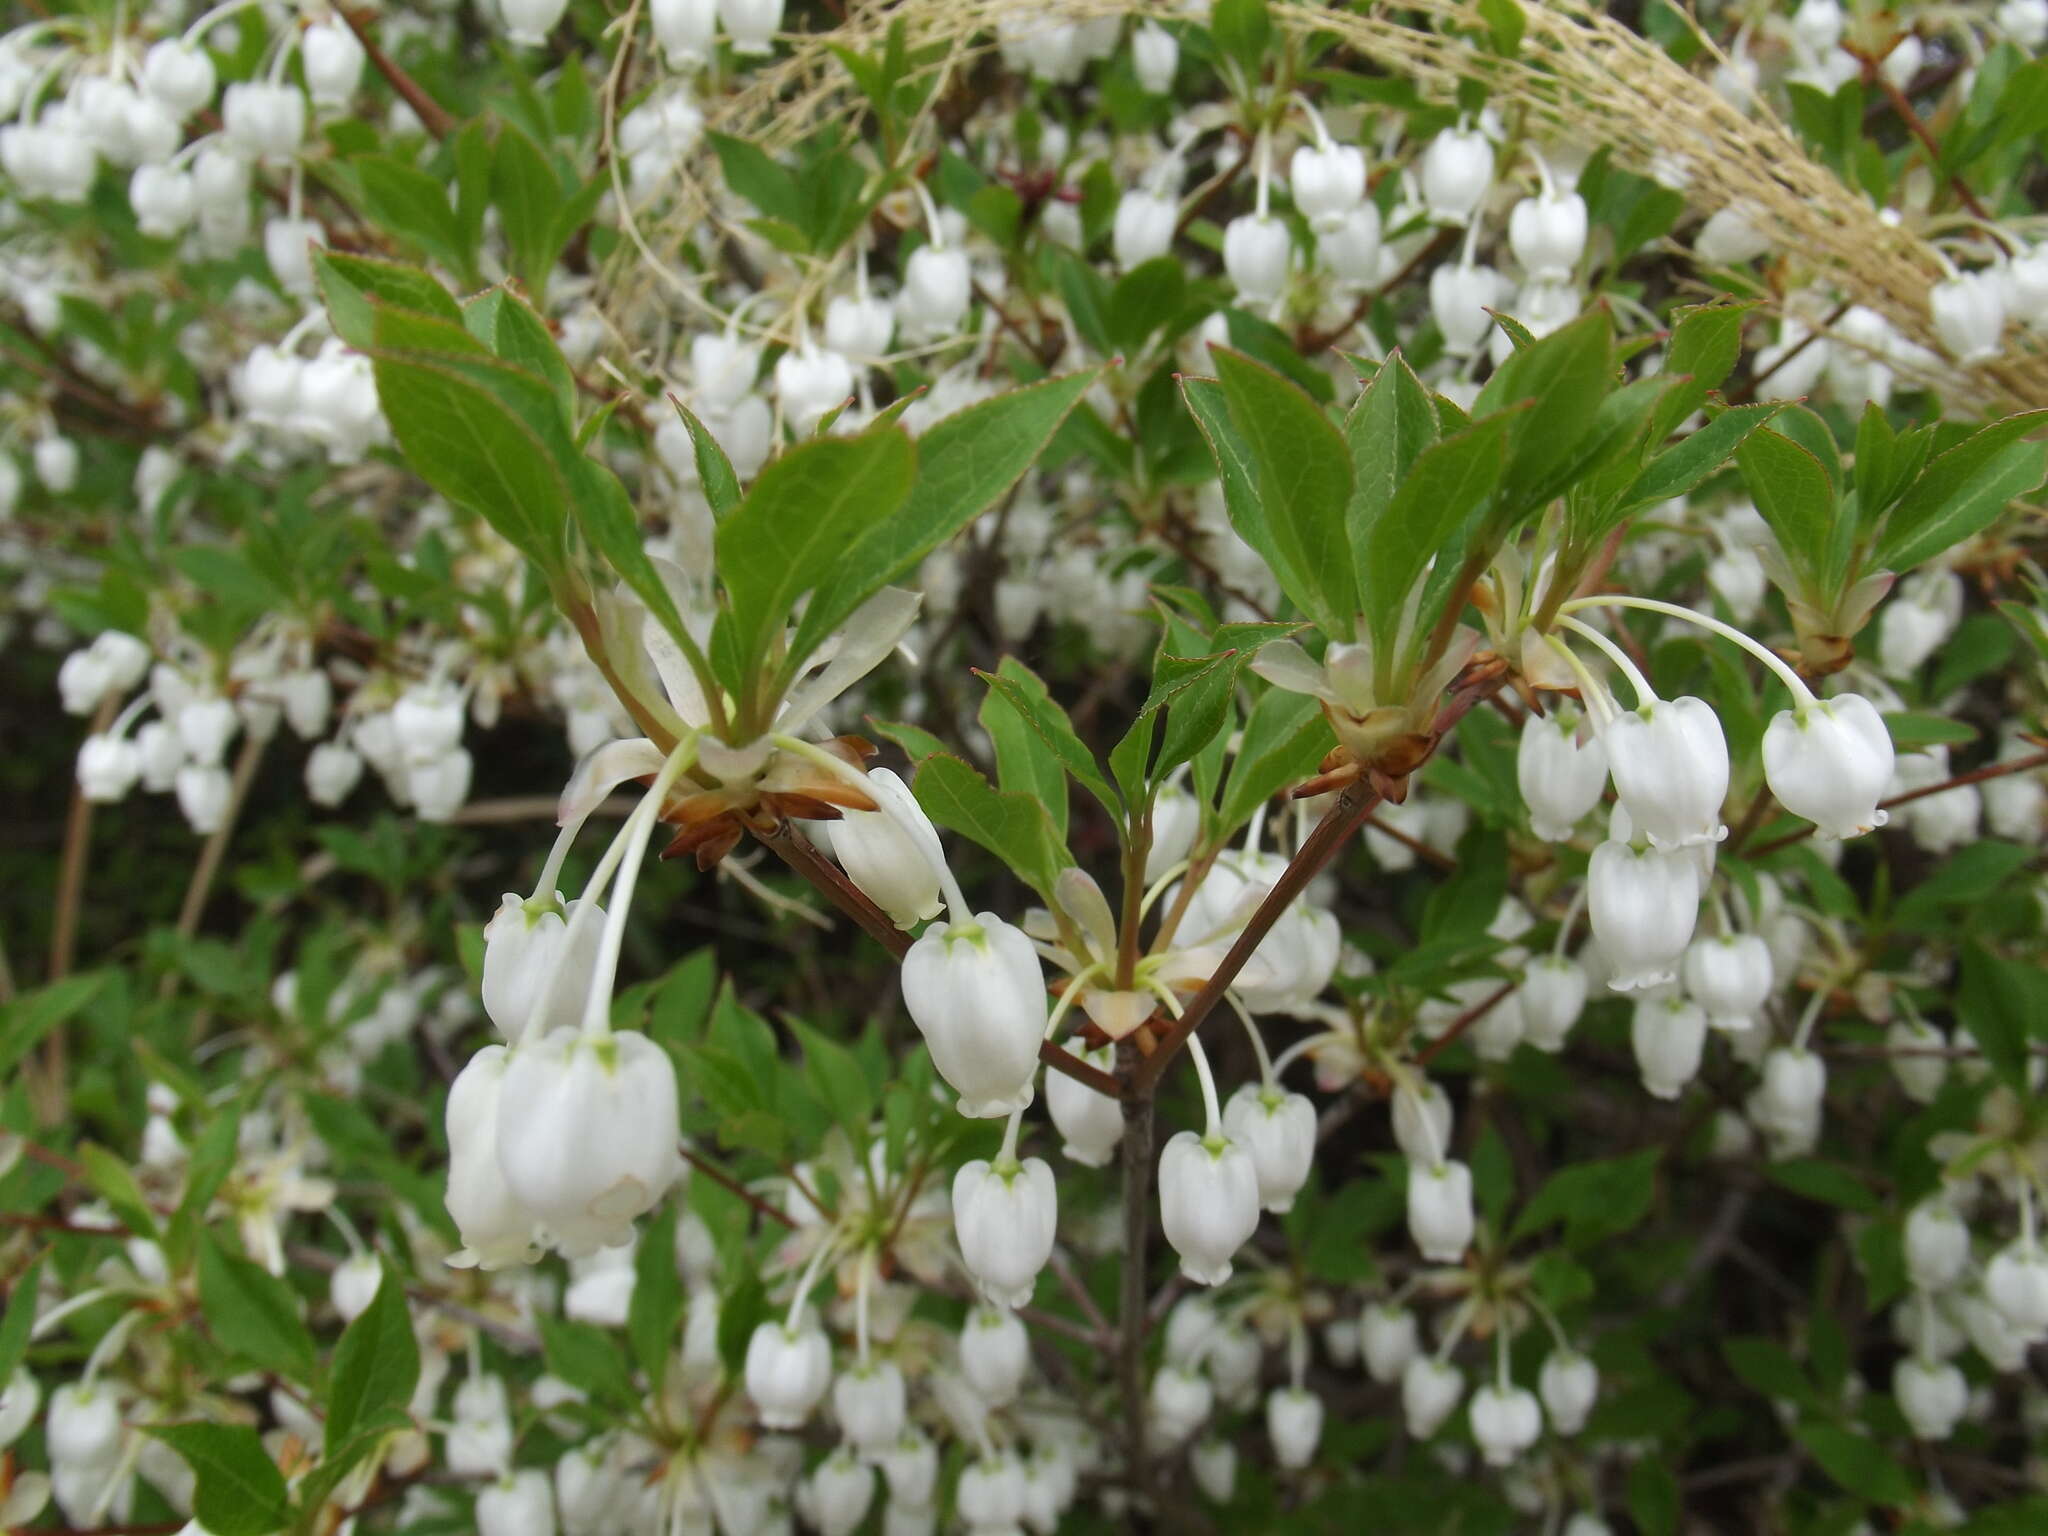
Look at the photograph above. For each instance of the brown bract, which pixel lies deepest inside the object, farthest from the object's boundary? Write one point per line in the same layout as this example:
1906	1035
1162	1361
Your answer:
710	821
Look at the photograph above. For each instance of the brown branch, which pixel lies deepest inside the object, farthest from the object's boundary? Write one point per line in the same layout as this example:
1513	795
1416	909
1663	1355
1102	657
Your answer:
1873	74
1133	1317
433	117
1067	1064
1463	1022
726	1181
1314	341
1412	843
1813	333
1974	776
832	883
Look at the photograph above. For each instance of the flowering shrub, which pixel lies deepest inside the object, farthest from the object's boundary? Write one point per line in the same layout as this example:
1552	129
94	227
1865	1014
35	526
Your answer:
1296	762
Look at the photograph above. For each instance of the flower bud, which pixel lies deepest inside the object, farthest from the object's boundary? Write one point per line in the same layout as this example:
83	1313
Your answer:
1430	1390
1570	1384
990	1494
1459	297
1155	57
1422	1122
1561	777
893	853
162	755
787	1371
977	995
496	1229
308	699
332	771
1208	1203
1257	254
1328	183
1294	1423
353	1286
1729	976
1548	235
811	382
587	1131
333	61
203	794
1440	1210
859	328
1457	170
936	287
1214	1463
82	1426
1829	763
1176	820
1350	249
1279	1130
1091	1123
836	1497
520	1505
528	22
994	1353
1670	764
1932	1395
1642	905
751	24
533	980
177	77
108	767
2016	1281
1179	1400
1937	1245
868	1401
1142	228
1505	1422
1005	1216
1668	1035
1552	995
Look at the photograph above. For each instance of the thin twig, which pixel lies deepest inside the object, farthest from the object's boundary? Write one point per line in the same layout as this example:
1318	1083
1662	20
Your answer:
1974	776
726	1181
1463	1022
433	116
1132	1316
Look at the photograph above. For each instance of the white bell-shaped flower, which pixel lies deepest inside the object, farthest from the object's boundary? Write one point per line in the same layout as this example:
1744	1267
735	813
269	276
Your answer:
990	1495
1548	235
1279	1130
1351	250
19	1400
1730	976
1932	1395
333	769
203	793
2016	1281
528	22
205	727
1142	228
1795	1081
937	284
333	61
1179	1400
1505	1422
994	1353
1552	996
1155	57
787	1370
1561	777
1208	1202
1430	1393
723	367
82	1426
911	1466
1570	1384
1668	1035
1440	1216
496	1228
1936	1244
1422	1121
1969	316
1328	183
264	121
892	854
1214	1462
162	755
1457	170
164	200
587	1130
1258	253
836	1496
520	1505
1005	1216
869	1402
1642	904
686	29
536	971
108	767
427	721
178	77
1460	294
810	381
977	995
353	1285
1388	1338
1670	765
440	785
751	24
859	327
1294	1423
1090	1123
1830	762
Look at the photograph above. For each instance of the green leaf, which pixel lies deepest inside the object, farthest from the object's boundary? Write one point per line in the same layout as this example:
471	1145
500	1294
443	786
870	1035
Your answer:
655	1311
111	1179
414	206
2003	1005
1963	490
376	1366
1242	30
1764	1366
1791	490
1019	687
964	464
1016	829
19	1320
1285	739
1241	500
1447	483
1706	344
28	1018
1025	761
527	194
353	286
1829	1183
1653	1497
507	324
1391	423
1858	1463
1594	1200
834	1073
741	1310
1507	21
588	1358
253	1313
1687	462
714	469
1145	298
798	523
1887	462
1564	376
755	176
1304	479
240	1492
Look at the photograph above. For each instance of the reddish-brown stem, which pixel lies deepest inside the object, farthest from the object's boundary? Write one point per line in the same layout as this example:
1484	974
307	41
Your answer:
1873	74
433	116
1461	1023
1412	843
726	1181
831	881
